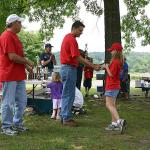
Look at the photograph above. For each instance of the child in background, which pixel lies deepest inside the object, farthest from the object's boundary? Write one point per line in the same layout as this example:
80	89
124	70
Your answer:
112	87
56	87
88	75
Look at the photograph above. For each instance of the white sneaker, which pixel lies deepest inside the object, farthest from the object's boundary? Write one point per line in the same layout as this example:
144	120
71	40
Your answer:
112	127
9	131
123	125
20	128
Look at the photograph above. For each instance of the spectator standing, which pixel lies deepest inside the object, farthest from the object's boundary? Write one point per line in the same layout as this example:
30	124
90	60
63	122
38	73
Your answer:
56	91
47	59
124	79
70	58
12	76
88	75
112	87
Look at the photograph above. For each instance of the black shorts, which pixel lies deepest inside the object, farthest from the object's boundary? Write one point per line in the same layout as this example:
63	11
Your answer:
87	83
124	87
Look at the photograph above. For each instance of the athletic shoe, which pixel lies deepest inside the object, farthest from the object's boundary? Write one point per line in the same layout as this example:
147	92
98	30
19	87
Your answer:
20	128
9	131
112	127
123	125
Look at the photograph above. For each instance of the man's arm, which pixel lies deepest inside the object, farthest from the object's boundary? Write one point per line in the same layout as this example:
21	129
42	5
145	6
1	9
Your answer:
52	58
20	60
80	59
44	63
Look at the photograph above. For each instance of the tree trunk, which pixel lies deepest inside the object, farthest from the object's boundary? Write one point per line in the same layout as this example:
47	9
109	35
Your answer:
112	25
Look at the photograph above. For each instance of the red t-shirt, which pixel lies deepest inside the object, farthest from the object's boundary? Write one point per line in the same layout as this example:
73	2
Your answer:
9	70
88	72
69	50
113	83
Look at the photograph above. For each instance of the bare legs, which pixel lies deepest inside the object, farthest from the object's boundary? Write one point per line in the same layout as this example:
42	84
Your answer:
56	114
117	123
111	106
53	116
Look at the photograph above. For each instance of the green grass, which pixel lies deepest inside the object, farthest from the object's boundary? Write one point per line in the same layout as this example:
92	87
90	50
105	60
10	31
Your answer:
46	134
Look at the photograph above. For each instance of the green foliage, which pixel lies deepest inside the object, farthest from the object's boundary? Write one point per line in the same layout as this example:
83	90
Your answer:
7	7
98	57
138	62
52	14
93	7
33	44
136	23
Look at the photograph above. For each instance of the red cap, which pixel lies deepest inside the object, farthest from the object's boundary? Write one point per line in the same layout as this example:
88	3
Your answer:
115	46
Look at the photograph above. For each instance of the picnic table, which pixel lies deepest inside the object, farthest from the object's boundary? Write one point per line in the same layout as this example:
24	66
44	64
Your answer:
34	83
42	103
144	84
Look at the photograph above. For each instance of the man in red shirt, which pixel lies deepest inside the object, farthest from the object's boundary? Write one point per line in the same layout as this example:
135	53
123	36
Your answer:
70	58
12	76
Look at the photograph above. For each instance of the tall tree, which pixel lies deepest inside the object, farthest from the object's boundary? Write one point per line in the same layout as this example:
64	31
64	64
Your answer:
112	24
52	13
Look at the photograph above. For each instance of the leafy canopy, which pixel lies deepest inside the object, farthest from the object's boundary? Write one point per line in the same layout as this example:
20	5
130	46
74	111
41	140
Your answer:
52	13
136	23
33	45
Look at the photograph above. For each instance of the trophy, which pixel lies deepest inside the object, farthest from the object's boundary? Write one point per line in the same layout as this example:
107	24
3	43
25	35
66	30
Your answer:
86	50
38	69
45	73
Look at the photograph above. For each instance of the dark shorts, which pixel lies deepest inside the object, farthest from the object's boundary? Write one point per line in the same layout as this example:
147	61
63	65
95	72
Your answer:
87	83
124	87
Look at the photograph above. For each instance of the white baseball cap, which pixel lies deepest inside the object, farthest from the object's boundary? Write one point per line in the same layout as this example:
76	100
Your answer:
13	18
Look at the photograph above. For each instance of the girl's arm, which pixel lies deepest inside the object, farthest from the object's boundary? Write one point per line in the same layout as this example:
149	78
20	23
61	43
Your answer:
108	70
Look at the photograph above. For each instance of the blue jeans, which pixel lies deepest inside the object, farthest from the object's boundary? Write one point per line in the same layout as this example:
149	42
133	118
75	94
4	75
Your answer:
13	103
69	77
